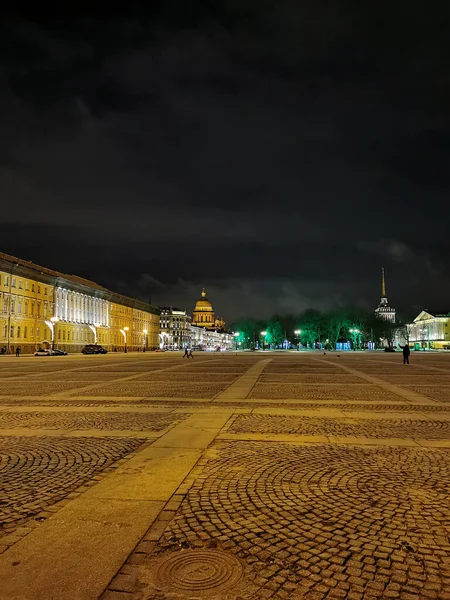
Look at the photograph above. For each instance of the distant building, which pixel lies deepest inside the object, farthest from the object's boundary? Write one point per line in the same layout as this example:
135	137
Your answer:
40	307
175	326
210	339
384	311
207	332
430	329
203	314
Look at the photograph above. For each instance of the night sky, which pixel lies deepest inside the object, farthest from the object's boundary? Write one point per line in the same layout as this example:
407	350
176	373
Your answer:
277	153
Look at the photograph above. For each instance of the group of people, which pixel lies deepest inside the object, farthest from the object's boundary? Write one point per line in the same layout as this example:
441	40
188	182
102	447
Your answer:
188	353
18	350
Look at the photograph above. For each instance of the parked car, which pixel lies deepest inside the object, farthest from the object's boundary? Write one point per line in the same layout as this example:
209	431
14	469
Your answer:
43	352
159	350
94	349
48	352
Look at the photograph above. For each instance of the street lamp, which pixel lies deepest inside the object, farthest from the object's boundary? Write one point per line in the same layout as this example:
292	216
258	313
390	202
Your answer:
298	333
145	339
236	334
355	334
124	333
54	320
263	333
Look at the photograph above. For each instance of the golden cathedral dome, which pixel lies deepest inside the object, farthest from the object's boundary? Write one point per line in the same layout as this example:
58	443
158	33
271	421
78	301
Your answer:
203	313
203	303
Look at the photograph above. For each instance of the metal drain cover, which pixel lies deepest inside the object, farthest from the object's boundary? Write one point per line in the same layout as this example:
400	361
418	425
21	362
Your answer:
203	572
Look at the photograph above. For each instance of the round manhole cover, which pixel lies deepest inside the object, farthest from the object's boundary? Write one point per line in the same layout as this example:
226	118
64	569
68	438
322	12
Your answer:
201	571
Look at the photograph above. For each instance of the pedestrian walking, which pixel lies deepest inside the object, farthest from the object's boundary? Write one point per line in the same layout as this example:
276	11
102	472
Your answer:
186	353
18	351
406	353
190	354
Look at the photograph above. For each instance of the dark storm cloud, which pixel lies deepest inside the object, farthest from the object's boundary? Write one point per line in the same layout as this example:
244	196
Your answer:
277	153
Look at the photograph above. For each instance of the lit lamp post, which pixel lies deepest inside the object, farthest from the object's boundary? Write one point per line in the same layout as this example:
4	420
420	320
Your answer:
355	335
124	333
263	333
236	334
298	333
54	320
145	332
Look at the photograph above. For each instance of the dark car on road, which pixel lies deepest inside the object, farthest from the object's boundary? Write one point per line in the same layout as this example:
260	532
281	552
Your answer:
94	349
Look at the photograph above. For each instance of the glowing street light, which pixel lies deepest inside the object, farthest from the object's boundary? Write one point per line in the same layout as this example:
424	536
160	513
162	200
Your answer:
54	320
145	332
298	333
355	333
263	334
124	333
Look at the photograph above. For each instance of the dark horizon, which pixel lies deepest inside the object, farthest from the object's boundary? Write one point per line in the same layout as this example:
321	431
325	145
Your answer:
277	156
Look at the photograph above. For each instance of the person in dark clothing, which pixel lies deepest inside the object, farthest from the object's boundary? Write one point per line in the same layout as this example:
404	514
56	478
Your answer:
18	351
190	355
186	353
406	353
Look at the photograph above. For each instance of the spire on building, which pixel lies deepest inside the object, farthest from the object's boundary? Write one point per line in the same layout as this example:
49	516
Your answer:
203	293
384	311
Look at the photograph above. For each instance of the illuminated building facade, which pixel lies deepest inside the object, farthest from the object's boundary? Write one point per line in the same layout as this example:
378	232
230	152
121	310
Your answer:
40	307
203	314
430	329
384	311
210	339
175	328
207	332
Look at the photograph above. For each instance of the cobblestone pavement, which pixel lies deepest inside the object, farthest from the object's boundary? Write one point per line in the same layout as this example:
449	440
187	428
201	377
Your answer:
38	472
373	428
323	392
90	420
357	520
323	522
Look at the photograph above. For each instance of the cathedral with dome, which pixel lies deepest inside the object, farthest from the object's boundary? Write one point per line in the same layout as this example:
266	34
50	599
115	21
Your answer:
203	314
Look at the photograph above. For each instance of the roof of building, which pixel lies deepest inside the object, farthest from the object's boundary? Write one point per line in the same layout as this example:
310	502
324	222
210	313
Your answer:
203	303
18	266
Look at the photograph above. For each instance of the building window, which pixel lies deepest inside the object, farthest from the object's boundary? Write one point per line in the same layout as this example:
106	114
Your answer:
20	284
13	282
59	335
39	289
31	332
18	332
5	330
45	291
6	281
32	308
37	332
26	286
33	289
19	306
13	304
11	333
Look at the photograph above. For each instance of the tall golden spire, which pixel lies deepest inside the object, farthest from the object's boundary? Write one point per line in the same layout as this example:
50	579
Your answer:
383	284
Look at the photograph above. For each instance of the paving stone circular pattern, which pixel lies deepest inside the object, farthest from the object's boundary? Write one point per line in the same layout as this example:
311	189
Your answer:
325	521
373	428
199	572
90	420
37	472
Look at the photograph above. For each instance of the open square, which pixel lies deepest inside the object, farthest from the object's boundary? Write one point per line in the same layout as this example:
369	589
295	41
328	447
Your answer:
236	476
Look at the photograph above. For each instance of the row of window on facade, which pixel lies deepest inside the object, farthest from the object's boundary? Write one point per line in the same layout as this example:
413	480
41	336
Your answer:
17	305
21	332
19	284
